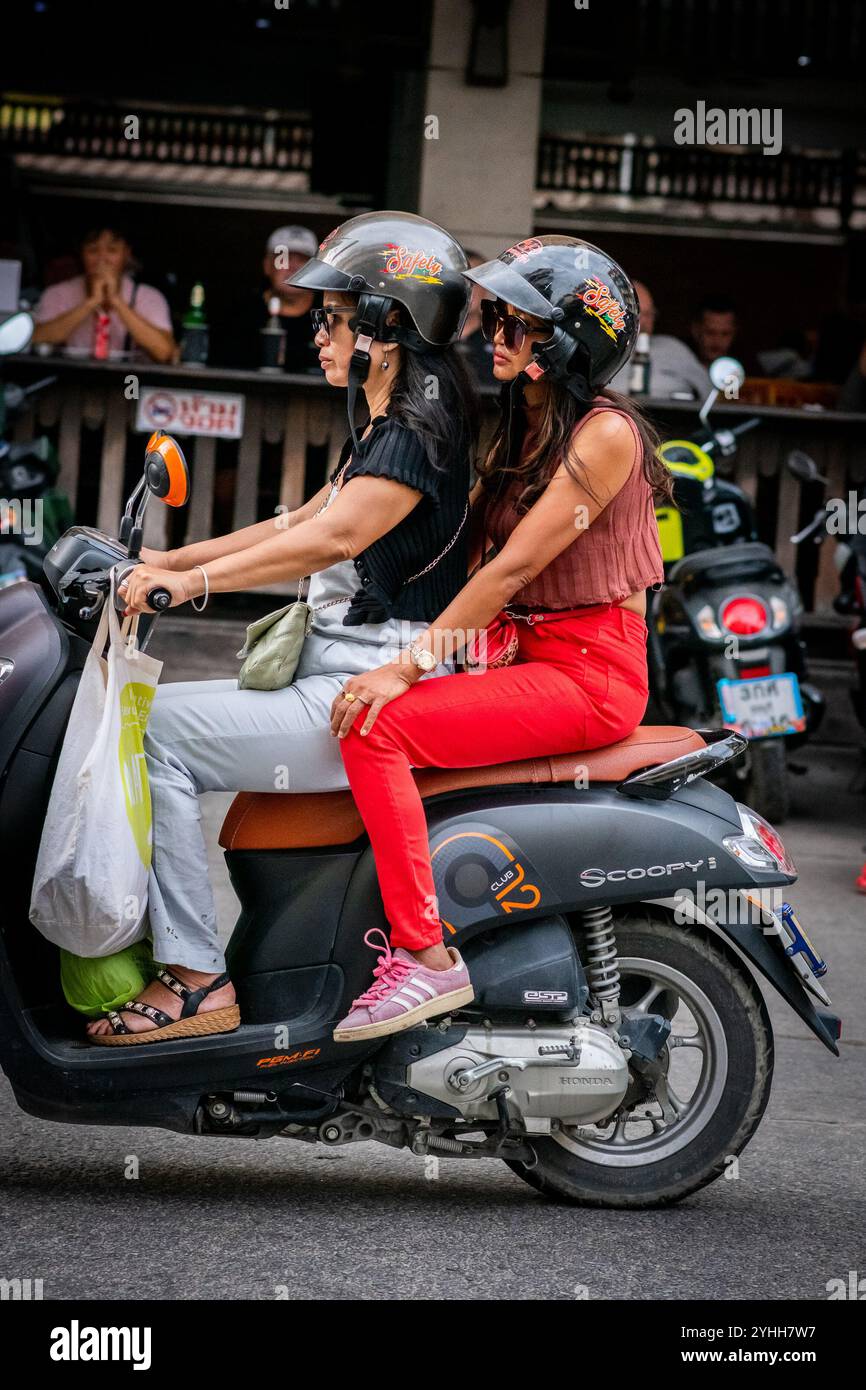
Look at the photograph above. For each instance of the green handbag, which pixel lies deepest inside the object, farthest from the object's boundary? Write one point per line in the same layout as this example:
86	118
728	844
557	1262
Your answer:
274	643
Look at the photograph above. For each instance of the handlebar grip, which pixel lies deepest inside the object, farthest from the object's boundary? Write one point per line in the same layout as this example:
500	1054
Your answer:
158	599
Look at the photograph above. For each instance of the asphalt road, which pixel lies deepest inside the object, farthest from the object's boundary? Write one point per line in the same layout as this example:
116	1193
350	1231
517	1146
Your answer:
230	1219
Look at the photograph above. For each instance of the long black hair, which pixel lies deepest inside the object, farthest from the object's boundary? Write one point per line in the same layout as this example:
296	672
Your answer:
561	412
435	397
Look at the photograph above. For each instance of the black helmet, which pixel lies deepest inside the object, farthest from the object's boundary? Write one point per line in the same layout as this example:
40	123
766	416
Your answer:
390	258
587	297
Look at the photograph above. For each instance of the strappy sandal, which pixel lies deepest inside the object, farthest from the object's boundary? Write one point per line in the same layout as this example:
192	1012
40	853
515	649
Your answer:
191	1024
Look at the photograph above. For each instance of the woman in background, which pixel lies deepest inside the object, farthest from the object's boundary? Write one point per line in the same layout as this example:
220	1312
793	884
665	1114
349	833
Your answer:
105	311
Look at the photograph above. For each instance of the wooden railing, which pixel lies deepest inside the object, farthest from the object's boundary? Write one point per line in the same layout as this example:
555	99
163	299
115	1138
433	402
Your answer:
295	427
142	131
615	167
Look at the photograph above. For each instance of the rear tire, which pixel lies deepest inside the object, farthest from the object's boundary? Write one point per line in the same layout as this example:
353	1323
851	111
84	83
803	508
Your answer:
639	1181
769	780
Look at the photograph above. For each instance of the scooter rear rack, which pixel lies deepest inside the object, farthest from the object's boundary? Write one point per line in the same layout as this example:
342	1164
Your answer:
659	783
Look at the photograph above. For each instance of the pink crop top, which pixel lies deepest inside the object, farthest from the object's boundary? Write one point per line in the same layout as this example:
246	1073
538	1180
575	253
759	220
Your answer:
617	555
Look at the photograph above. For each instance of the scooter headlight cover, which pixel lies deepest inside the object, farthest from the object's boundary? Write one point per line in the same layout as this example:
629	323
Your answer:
706	621
779	610
759	846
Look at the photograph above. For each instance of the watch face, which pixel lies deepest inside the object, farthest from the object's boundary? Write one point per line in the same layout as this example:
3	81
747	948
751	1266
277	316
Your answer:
422	658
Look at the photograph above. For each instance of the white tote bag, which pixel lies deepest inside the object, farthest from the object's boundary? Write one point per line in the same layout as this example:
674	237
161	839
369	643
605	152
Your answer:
90	885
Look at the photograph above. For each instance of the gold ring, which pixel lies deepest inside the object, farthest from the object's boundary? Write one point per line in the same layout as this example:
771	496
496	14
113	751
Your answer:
347	695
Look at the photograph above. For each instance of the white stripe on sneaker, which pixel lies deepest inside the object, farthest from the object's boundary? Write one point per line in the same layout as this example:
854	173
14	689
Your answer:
419	998
422	984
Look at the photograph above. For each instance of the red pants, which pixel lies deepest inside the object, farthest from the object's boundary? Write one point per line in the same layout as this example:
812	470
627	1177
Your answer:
578	683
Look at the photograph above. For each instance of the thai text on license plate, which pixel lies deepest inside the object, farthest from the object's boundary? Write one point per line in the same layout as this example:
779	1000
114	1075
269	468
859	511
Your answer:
765	707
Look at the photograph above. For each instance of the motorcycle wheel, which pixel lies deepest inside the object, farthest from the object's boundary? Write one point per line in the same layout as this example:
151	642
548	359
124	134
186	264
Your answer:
769	782
662	1144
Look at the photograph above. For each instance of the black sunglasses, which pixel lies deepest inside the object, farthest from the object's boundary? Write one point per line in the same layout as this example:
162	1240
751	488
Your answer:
323	319
514	329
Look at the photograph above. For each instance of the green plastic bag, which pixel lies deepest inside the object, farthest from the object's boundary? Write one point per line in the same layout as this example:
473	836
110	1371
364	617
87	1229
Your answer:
94	986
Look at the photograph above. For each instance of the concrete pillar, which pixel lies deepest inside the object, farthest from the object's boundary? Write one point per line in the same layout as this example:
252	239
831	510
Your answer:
477	175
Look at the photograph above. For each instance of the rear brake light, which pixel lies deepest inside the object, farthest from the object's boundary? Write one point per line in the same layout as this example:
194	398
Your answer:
744	616
749	673
773	843
759	846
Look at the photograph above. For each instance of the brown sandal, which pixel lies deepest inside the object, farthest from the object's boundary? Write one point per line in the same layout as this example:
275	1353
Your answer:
191	1024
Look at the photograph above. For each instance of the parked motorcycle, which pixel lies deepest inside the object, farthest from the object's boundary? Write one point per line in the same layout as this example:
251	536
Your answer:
850	560
614	909
851	603
725	648
34	513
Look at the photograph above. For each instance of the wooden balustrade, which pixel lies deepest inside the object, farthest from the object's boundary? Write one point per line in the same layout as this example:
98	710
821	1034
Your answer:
295	427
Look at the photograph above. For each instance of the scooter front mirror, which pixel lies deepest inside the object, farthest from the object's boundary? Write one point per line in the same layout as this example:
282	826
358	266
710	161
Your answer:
165	476
803	467
165	472
727	374
15	333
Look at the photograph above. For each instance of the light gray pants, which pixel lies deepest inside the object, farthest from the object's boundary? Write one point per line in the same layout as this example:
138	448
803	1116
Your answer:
210	736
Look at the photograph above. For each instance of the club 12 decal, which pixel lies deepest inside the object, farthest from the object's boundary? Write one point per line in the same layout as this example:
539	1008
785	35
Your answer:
480	873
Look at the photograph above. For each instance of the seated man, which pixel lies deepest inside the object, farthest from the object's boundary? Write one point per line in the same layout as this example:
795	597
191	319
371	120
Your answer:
105	311
714	328
238	342
674	369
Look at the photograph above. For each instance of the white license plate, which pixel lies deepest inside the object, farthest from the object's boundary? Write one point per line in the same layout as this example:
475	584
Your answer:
765	707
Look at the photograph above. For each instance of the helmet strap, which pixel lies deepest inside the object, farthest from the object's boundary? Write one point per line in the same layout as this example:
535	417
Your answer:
368	323
565	363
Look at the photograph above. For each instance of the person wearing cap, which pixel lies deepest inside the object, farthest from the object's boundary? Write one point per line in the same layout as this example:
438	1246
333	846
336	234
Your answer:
239	343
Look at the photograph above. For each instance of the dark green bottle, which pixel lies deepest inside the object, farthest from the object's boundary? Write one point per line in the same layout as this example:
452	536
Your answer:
195	336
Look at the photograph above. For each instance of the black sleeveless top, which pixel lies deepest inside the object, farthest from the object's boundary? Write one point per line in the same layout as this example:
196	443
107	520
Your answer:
391	450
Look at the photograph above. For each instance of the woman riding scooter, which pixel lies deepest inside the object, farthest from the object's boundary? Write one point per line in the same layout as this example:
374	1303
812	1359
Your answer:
566	497
386	546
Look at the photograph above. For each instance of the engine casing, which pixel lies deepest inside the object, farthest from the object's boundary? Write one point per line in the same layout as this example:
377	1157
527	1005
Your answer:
581	1080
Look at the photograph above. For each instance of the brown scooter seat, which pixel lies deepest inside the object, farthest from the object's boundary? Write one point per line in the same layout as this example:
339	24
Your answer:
284	820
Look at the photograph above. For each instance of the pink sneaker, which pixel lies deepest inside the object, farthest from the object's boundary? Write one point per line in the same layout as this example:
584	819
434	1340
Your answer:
404	993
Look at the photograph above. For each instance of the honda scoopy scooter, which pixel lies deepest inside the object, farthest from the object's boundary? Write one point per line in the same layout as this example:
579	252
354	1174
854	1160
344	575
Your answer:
614	908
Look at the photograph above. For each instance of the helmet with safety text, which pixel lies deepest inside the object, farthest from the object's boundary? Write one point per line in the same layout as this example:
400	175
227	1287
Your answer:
582	292
389	260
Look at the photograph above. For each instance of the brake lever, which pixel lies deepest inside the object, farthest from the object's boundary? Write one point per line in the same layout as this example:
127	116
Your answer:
96	591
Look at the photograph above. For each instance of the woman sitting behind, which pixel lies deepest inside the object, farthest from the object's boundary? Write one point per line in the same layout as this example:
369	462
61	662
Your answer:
566	496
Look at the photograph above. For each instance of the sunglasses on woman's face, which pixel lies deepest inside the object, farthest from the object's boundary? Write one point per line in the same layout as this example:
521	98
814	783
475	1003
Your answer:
514	329
323	319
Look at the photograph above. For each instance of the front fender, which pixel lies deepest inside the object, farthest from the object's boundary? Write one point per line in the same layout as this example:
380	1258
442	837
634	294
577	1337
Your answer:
762	947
